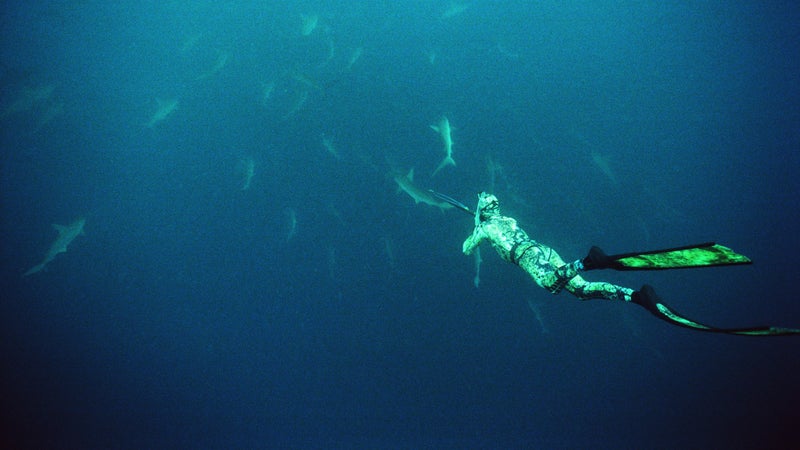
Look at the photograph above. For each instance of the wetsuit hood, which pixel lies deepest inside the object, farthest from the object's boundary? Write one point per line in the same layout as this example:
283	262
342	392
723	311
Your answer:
488	205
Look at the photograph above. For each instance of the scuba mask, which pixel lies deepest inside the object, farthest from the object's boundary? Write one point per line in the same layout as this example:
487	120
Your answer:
488	205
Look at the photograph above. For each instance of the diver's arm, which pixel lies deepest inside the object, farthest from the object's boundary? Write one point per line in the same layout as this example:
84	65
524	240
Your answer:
477	236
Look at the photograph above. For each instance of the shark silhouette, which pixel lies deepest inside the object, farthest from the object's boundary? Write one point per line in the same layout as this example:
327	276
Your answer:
219	64
454	9
165	108
443	128
602	163
309	23
247	168
406	184
66	234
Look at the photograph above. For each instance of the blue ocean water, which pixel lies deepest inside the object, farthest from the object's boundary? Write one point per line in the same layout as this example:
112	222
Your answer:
249	276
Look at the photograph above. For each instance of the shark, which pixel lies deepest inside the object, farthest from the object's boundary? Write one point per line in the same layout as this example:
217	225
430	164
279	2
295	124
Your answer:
291	215
354	56
247	167
430	54
327	142
165	108
267	89
534	307
602	163
309	23
406	184
304	80
219	64
454	9
66	234
443	128
298	104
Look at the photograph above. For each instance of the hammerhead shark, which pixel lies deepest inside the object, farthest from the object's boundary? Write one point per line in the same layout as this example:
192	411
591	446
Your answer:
406	184
443	128
66	234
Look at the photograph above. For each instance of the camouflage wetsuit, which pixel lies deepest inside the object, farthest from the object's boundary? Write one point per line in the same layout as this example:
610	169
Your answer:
552	273
541	262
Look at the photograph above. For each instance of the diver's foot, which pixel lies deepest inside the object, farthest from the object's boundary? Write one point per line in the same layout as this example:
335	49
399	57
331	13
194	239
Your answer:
597	259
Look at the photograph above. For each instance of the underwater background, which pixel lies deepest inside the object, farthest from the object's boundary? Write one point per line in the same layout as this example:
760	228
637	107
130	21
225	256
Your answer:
249	275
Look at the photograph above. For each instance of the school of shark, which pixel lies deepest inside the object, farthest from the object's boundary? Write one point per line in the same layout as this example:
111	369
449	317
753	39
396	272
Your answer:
290	97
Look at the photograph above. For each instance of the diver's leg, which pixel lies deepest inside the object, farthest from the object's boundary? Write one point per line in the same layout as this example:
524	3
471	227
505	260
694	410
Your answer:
563	274
550	271
547	268
568	271
588	290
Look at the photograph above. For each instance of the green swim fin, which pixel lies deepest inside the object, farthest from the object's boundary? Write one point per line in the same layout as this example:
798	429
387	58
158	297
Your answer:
647	298
707	254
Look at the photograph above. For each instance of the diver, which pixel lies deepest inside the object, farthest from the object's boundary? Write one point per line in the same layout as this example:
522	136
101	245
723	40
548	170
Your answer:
552	273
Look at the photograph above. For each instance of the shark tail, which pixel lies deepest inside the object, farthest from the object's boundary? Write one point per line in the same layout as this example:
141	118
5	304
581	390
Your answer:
447	161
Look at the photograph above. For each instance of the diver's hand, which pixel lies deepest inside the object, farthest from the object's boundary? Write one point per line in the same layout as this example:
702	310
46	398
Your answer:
467	247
